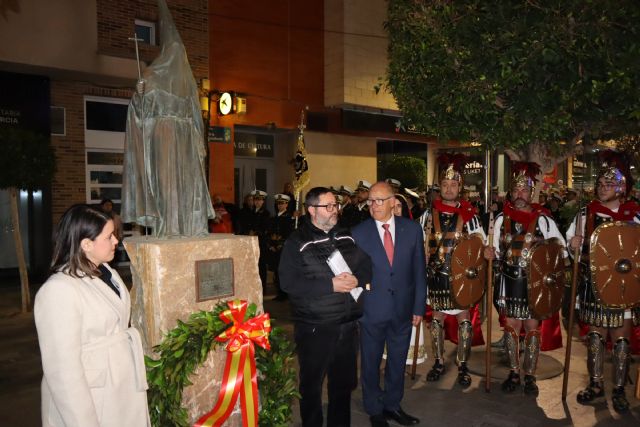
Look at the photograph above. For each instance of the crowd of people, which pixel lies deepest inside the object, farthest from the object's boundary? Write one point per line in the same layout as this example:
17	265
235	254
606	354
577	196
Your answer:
411	245
362	269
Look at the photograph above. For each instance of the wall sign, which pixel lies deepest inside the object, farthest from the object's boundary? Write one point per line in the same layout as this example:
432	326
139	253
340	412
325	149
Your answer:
219	134
253	144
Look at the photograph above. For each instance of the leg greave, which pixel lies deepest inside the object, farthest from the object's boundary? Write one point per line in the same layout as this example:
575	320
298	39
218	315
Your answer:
531	352
437	339
595	356
511	344
620	362
465	336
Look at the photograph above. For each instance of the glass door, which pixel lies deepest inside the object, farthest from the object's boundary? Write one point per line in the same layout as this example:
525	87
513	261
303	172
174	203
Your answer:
254	174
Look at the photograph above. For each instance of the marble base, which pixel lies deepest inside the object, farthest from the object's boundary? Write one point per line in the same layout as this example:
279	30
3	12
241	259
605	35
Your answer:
164	290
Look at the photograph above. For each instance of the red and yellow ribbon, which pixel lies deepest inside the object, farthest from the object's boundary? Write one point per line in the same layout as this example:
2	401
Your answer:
240	377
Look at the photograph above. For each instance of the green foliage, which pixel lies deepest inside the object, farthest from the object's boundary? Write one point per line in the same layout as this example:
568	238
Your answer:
410	171
276	380
186	347
27	160
514	73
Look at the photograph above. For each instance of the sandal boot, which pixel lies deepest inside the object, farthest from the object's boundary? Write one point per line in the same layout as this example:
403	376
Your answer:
436	372
464	379
512	383
530	386
619	400
593	391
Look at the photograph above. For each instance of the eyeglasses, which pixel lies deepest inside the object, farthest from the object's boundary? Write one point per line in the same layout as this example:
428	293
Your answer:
378	202
329	206
282	202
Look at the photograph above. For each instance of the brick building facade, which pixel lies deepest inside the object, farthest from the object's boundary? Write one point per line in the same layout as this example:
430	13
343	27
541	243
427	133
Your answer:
84	51
283	56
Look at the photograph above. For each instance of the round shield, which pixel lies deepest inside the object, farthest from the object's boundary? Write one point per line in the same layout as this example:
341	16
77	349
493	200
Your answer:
615	264
468	271
545	284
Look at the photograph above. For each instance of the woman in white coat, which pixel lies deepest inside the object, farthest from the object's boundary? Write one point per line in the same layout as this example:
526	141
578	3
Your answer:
93	363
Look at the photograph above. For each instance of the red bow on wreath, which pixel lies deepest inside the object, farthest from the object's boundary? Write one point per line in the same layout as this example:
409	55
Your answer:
240	377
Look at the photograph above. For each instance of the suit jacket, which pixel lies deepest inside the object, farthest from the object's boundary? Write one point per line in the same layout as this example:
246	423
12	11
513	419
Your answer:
400	290
93	363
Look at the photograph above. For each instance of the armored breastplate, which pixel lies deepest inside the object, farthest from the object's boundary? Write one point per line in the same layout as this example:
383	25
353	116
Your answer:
517	241
446	230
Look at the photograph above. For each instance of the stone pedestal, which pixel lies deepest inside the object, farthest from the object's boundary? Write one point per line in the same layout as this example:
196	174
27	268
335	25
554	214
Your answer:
164	290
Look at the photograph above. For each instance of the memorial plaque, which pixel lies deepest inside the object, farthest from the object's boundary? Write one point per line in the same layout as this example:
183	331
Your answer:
214	279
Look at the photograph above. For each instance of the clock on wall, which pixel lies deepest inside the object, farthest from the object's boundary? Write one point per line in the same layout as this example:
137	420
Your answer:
225	103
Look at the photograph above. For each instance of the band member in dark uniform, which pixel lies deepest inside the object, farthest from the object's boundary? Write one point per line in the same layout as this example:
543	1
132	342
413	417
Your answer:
347	206
444	223
280	227
244	215
520	225
613	182
258	227
360	211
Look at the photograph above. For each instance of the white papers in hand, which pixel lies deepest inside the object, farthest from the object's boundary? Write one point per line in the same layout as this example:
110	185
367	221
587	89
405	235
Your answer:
338	265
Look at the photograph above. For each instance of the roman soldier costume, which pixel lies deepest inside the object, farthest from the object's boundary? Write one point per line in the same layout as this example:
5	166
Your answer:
446	229
597	307
518	234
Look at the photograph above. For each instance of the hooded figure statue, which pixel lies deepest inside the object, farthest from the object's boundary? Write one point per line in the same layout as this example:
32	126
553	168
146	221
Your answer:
164	182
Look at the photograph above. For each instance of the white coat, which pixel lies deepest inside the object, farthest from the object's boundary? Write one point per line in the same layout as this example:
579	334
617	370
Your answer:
92	360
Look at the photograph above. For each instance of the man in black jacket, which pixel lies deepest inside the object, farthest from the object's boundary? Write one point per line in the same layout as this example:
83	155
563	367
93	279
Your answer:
325	305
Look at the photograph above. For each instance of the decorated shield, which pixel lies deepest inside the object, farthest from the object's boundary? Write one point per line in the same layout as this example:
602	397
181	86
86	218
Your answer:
615	264
545	285
468	271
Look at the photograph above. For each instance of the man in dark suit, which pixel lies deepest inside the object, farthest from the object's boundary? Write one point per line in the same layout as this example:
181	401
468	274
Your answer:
395	301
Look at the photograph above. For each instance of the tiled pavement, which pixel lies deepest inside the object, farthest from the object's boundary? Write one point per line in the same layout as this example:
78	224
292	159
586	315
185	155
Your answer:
436	404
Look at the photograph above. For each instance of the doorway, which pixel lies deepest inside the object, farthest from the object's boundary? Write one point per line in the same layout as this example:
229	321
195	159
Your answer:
253	174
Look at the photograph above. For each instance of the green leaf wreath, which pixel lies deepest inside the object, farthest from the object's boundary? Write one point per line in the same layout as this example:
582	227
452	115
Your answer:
186	347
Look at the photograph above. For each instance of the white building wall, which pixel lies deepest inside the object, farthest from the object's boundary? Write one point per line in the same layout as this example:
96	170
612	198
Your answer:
356	159
356	53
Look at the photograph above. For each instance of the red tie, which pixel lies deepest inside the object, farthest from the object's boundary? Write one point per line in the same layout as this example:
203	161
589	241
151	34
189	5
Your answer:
388	243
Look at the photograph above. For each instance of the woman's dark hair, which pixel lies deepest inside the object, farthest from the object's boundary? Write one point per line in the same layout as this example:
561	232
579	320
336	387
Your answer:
405	206
78	222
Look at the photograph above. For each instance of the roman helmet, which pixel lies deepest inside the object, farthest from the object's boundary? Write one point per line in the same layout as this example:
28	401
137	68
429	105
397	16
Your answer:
451	167
614	166
523	174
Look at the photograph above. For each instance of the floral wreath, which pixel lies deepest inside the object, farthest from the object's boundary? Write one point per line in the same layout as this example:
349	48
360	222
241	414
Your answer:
186	347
